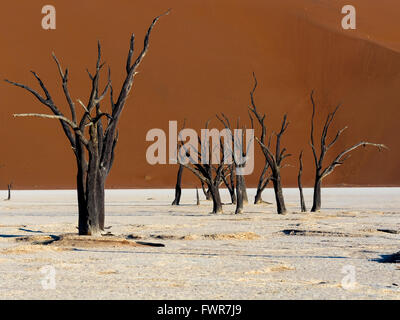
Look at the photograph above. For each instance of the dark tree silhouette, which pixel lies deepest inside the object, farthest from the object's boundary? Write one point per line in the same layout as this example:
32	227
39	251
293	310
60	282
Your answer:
209	174
302	203
230	184
264	179
178	188
178	185
206	192
274	160
237	163
197	197
320	172
9	187
93	150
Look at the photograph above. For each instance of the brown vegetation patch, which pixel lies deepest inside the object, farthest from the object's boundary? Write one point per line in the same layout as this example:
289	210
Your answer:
174	237
214	236
276	268
72	240
31	248
232	236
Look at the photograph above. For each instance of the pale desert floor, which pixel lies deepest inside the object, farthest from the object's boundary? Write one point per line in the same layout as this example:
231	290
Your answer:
257	255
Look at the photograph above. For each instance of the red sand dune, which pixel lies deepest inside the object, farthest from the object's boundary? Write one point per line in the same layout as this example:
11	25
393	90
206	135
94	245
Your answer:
200	62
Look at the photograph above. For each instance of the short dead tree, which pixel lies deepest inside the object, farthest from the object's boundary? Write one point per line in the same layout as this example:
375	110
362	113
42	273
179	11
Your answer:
302	203
210	174
238	151
274	160
9	187
93	142
178	186
230	183
320	171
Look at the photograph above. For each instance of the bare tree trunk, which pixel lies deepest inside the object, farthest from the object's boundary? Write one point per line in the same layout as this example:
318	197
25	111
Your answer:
244	190
262	184
317	195
178	190
91	198
197	197
207	192
280	202
230	185
233	196
216	197
239	193
9	186
258	197
302	203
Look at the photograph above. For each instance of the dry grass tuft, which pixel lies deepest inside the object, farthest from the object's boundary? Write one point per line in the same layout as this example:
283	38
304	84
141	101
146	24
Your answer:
24	249
73	240
232	236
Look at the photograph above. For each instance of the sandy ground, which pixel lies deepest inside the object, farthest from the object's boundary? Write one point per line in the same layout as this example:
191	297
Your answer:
333	254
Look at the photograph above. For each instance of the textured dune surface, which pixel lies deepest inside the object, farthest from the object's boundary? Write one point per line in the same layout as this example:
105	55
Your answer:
200	62
256	255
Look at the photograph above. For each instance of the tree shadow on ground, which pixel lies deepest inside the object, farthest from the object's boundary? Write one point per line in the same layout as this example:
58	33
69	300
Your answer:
389	258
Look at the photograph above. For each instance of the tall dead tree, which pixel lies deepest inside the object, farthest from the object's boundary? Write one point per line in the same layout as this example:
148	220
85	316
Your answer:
93	142
274	160
320	171
302	203
265	178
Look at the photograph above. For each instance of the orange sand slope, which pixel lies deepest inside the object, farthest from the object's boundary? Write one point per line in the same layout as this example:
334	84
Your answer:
200	62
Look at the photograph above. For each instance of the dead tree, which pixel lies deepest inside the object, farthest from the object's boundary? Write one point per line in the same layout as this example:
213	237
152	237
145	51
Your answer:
320	172
230	184
197	197
178	189
238	162
302	203
210	174
9	187
244	191
94	150
274	160
178	186
264	179
206	192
